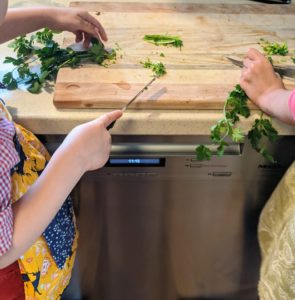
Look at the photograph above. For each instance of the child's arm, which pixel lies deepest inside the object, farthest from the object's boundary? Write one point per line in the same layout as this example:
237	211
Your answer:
264	87
20	21
86	148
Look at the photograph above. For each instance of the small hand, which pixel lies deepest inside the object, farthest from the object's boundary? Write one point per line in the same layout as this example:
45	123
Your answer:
79	22
90	143
258	77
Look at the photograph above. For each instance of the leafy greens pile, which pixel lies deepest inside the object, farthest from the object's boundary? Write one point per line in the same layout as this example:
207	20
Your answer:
51	57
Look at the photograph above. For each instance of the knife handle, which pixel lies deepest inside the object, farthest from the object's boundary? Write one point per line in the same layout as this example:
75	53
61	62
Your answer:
111	125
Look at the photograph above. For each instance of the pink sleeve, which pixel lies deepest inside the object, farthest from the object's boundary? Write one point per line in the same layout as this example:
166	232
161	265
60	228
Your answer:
292	103
8	159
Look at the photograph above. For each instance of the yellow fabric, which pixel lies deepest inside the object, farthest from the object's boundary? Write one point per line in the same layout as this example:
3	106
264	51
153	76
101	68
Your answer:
42	278
276	233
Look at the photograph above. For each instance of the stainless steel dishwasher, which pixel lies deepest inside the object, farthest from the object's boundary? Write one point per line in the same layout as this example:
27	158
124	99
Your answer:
156	224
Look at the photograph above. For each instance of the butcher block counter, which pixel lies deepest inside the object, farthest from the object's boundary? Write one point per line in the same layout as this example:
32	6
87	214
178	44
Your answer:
189	99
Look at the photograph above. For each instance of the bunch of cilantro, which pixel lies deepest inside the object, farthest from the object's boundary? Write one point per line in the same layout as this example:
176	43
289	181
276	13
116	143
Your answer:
41	48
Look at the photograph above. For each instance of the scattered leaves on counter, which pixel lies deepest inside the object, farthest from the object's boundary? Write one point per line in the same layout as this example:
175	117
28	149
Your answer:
41	48
235	107
158	68
166	40
274	48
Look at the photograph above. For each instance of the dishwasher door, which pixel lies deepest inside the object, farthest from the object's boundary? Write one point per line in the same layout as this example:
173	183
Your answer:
157	224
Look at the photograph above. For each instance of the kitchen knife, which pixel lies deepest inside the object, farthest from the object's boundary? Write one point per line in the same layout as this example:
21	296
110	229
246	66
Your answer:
133	99
287	72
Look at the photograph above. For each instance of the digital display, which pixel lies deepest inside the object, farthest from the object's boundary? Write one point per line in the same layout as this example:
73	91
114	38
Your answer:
136	162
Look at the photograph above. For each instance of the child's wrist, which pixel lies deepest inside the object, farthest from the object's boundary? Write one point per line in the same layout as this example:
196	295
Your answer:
71	159
49	17
265	100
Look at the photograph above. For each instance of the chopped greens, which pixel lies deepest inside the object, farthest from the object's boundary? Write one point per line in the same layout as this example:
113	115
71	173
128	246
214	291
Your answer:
166	40
158	68
274	48
51	58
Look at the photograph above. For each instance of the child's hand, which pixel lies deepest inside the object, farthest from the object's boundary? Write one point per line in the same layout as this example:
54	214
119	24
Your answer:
78	21
258	78
90	143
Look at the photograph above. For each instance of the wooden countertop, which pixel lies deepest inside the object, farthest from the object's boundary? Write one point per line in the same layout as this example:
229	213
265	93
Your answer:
37	112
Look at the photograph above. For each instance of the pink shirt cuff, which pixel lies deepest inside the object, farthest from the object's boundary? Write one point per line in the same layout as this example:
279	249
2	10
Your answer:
291	103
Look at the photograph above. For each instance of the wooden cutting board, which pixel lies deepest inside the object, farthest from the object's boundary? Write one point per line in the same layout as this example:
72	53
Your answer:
198	76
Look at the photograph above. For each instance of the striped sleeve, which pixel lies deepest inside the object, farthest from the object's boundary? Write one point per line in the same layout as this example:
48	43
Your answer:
8	159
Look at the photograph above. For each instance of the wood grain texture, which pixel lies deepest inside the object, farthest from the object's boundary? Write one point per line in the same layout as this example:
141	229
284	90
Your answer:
198	76
190	8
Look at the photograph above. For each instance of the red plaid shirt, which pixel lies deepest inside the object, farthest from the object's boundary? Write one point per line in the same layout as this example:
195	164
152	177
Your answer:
8	159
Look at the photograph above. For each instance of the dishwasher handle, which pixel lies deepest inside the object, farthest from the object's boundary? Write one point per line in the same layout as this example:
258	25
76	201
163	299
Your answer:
149	149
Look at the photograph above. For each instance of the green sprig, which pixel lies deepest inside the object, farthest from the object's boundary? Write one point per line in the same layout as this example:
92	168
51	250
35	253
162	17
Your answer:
262	129
235	107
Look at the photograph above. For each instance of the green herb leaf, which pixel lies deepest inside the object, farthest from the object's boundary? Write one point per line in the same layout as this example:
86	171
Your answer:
166	40
267	155
203	153
9	81
23	70
262	128
221	148
237	135
45	36
35	87
12	60
22	46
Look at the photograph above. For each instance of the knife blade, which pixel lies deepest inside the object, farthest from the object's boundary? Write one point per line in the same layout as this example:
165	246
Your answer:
132	100
287	72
